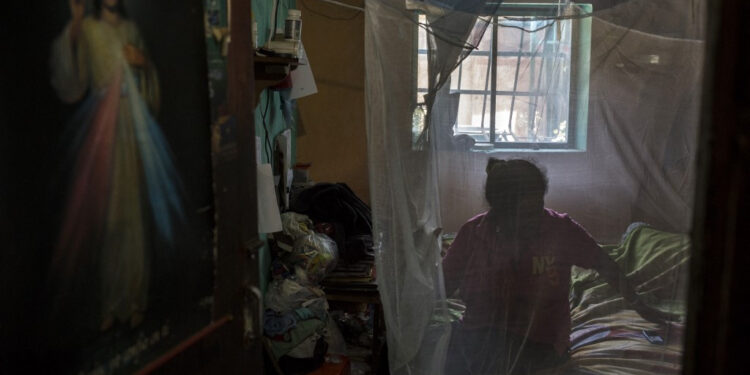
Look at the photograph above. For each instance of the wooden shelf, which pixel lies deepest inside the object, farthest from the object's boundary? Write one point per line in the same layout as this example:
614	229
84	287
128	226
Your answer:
270	71
276	60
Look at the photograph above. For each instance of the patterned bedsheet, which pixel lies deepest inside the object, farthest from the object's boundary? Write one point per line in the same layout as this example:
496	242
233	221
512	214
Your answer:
609	338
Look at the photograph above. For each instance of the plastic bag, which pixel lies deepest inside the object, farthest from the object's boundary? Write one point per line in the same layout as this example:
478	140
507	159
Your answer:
296	225
314	253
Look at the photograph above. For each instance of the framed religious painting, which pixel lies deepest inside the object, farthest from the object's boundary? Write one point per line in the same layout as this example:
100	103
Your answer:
110	255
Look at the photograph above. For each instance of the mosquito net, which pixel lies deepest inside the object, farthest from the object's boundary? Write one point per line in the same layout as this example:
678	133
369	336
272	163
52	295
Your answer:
532	174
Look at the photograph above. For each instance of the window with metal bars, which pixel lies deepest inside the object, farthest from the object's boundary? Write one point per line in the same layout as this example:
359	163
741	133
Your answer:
525	86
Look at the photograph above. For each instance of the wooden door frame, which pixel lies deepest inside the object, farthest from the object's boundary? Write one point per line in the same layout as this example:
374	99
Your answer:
718	309
231	344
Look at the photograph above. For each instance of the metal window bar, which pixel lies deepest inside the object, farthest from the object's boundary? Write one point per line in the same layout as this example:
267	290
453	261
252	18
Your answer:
553	91
546	53
460	71
515	85
484	96
532	72
507	53
488	92
493	82
532	108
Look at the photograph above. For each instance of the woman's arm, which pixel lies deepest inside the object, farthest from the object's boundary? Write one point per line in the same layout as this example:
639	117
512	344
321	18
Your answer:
456	260
611	272
588	254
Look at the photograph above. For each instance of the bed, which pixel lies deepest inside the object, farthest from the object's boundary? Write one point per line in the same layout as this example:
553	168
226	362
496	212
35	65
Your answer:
609	338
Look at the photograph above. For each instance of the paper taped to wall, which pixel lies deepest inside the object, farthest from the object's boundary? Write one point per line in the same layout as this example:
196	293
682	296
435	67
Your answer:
303	82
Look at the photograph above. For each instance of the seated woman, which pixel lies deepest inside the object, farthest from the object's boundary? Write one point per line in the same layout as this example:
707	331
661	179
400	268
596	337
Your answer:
511	266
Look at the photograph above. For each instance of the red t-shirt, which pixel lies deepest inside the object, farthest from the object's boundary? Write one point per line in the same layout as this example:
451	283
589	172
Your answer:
527	294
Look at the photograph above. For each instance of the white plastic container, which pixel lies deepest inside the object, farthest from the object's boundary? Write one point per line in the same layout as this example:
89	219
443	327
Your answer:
293	26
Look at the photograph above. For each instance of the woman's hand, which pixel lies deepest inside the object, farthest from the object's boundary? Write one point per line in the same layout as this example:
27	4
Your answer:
133	55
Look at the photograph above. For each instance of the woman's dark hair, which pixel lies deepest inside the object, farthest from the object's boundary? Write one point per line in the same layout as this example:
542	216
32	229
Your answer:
120	8
508	180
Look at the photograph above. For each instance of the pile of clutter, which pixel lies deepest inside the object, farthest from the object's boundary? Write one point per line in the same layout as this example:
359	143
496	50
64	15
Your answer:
356	324
326	226
296	321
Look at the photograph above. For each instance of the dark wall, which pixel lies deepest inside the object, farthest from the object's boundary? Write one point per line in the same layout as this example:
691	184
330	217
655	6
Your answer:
32	128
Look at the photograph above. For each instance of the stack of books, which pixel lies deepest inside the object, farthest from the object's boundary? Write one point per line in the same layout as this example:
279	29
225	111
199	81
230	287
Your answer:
360	275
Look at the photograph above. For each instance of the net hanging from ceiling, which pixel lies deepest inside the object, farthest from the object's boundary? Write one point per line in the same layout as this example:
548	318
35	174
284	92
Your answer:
532	175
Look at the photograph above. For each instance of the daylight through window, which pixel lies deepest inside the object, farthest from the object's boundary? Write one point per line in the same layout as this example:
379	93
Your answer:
539	96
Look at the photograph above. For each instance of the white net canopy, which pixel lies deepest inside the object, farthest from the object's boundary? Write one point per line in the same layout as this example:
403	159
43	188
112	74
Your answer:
532	176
